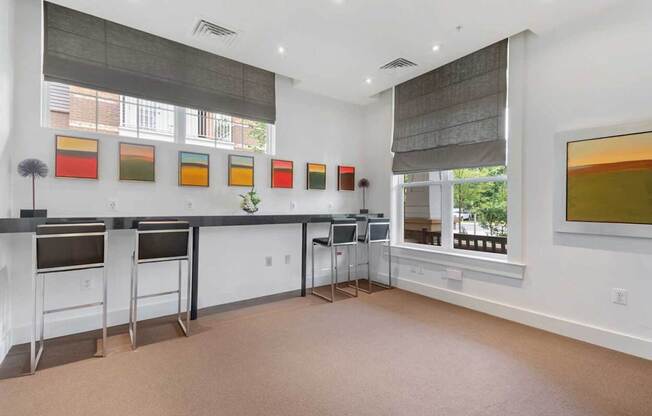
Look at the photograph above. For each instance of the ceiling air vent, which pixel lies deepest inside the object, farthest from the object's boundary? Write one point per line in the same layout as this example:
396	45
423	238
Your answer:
398	64
206	28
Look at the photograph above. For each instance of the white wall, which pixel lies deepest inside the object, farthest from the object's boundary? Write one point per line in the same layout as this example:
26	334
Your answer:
588	73
6	97
309	128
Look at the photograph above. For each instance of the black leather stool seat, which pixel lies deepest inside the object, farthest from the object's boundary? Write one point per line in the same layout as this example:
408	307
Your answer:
321	241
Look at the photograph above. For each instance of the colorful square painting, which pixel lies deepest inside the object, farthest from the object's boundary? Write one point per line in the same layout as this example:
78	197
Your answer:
241	170
193	169
282	173
610	179
76	158
137	162
345	178
316	176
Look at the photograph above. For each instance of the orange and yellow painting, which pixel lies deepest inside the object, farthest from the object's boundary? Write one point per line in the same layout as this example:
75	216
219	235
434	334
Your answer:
241	170
610	179
193	169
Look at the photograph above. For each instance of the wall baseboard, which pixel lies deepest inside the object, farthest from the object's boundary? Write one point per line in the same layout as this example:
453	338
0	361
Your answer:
592	334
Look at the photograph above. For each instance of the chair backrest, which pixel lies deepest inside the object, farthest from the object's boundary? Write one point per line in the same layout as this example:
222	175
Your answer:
69	246
162	240
343	231
377	230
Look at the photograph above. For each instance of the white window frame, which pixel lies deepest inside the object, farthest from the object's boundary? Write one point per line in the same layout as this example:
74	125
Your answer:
447	184
178	136
480	261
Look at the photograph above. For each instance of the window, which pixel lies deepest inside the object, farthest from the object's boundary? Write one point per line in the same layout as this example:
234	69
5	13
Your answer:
464	209
217	130
84	109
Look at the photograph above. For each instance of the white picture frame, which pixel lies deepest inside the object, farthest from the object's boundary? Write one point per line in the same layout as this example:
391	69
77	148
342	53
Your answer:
560	223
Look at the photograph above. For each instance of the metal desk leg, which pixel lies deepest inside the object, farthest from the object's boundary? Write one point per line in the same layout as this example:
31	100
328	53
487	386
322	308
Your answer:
195	271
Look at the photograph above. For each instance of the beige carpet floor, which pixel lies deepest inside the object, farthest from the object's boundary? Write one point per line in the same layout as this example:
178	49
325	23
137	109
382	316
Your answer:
392	353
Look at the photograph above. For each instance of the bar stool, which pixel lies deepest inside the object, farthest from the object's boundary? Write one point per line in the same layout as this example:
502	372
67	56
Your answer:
343	232
156	242
377	231
61	248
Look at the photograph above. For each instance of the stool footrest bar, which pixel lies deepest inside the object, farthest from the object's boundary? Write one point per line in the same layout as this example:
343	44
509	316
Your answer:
69	308
171	292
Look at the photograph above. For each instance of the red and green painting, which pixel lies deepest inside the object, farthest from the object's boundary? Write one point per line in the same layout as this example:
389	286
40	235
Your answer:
610	179
345	178
76	158
282	173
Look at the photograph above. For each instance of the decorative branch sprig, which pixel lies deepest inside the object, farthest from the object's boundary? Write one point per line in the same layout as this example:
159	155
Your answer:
364	184
34	168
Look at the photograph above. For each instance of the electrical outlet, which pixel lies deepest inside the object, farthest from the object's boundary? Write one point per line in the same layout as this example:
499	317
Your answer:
188	204
113	204
413	269
420	271
293	205
268	261
619	296
287	259
453	274
86	283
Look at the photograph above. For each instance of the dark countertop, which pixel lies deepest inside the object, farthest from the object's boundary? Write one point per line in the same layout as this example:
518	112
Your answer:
28	225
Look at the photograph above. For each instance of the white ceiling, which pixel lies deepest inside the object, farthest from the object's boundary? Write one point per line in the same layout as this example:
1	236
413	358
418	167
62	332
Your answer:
332	46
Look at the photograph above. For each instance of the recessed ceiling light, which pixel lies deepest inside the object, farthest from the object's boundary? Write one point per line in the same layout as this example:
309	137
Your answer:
368	80
435	48
281	50
338	1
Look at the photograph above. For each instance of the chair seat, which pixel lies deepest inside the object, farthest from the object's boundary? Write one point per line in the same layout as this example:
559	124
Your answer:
320	240
362	238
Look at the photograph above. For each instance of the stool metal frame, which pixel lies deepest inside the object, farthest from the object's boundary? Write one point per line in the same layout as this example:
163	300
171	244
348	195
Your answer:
377	232
35	356
334	242
136	261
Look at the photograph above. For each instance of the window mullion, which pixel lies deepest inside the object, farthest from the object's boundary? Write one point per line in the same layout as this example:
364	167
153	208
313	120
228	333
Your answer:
179	125
447	212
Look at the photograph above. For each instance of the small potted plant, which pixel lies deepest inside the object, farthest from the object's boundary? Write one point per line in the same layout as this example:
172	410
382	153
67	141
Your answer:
33	168
250	201
364	184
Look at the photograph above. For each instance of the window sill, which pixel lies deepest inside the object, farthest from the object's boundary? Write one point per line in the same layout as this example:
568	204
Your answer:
498	265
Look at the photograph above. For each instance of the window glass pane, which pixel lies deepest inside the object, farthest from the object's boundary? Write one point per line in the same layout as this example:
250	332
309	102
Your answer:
78	108
422	214
221	131
480	216
82	114
423	177
479	172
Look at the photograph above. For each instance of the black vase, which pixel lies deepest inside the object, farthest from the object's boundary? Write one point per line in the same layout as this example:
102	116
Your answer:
33	213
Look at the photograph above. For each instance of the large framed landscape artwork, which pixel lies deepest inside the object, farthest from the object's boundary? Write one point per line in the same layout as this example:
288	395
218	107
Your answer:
607	181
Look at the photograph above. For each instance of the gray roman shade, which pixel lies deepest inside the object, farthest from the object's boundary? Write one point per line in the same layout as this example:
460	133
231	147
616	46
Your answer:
454	116
85	50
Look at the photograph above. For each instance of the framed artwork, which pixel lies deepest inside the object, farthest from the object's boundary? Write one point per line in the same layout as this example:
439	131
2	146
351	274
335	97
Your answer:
282	173
345	178
193	169
137	162
604	181
241	170
76	157
316	176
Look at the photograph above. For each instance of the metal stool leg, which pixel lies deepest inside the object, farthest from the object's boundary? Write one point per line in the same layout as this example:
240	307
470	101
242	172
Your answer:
333	264
312	263
135	301
184	327
104	296
369	267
